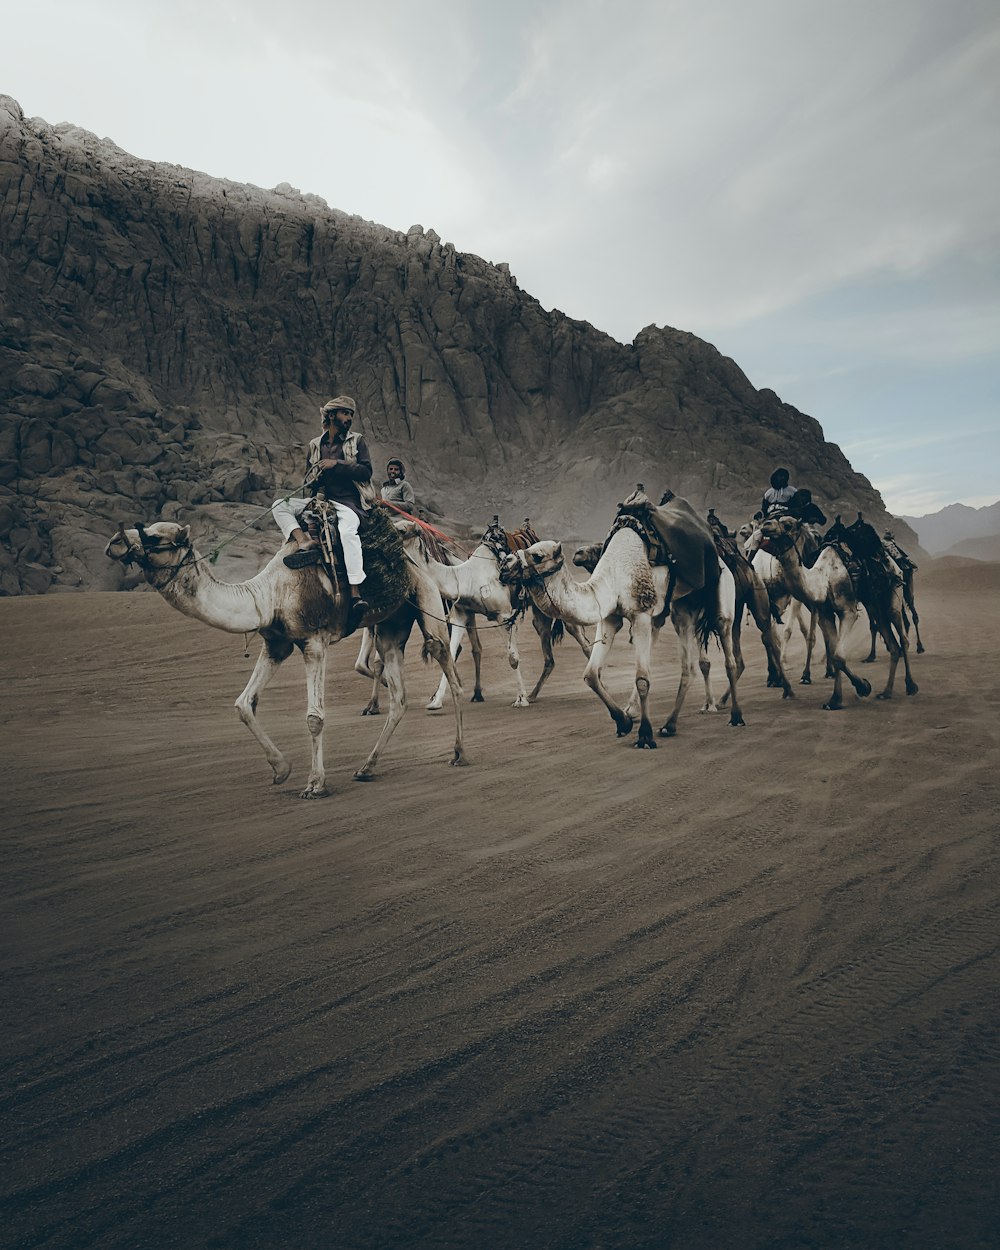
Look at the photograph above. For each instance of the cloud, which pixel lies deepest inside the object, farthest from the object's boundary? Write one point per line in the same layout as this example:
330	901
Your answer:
812	187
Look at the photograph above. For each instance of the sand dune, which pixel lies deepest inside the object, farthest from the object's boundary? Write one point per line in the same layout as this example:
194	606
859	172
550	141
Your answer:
737	992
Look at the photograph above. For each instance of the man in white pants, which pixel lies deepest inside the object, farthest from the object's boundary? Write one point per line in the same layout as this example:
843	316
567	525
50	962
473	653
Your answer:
338	465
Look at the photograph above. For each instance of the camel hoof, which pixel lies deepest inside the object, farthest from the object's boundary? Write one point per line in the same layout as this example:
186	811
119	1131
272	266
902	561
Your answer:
668	730
458	761
885	694
831	707
281	773
311	792
646	744
371	711
433	707
477	697
805	680
788	693
864	690
623	726
361	775
736	721
520	703
869	659
912	687
920	649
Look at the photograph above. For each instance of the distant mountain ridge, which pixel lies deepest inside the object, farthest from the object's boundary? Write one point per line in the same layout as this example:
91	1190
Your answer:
166	339
939	531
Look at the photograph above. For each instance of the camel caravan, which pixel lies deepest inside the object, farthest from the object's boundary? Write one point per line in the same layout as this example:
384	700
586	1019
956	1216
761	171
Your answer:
658	562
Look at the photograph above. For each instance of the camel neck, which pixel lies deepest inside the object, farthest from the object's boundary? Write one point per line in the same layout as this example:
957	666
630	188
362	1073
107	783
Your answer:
236	607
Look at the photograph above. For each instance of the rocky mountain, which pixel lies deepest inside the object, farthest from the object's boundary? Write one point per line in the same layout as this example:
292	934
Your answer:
166	339
942	530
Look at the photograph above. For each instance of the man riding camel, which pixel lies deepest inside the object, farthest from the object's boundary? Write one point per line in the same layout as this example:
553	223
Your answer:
338	467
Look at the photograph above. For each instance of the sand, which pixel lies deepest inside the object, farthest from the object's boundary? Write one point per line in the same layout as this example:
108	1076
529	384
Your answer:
737	992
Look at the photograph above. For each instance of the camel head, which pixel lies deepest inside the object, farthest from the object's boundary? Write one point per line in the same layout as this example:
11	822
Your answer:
778	534
587	557
538	561
164	545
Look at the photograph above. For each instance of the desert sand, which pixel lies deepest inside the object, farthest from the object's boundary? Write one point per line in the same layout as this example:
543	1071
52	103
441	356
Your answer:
740	991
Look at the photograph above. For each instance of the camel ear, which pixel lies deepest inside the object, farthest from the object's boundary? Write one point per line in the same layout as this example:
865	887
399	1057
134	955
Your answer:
184	536
557	552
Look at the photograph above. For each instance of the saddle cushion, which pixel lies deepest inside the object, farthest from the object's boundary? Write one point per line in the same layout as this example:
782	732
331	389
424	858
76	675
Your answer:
688	539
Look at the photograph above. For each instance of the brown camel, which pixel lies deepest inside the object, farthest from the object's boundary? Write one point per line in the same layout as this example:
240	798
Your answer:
291	609
828	589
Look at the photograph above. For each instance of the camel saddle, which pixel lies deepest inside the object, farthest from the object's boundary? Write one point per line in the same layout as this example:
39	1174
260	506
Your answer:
675	535
732	557
386	581
866	560
504	543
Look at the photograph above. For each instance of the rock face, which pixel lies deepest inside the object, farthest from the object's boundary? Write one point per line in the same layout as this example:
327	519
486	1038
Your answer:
166	339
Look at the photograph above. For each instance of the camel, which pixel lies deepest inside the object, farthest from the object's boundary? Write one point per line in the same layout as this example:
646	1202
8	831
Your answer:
624	586
906	568
291	609
750	596
789	610
473	587
827	589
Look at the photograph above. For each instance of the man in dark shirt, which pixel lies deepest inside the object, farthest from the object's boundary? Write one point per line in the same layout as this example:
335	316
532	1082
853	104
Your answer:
801	505
776	498
338	467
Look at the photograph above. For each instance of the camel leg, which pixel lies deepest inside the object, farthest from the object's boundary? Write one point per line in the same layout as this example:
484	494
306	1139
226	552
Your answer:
543	628
429	611
870	657
687	648
268	663
514	659
897	645
809	634
705	665
774	661
367	667
642	642
734	668
580	634
834	637
475	642
916	619
314	655
609	628
390	647
459	632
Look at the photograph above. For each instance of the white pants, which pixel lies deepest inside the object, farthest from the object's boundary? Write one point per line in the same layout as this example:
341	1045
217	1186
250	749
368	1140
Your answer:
287	512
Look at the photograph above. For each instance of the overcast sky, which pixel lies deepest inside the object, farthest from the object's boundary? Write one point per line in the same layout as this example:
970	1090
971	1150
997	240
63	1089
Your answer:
810	186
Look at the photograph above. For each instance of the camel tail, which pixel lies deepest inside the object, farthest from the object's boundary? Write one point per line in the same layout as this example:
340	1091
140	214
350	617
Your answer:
558	630
706	602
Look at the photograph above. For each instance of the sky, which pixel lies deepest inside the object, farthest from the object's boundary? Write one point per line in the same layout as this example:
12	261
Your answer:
811	187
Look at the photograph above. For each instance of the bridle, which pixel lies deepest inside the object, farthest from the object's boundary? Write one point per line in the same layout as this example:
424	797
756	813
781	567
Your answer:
141	555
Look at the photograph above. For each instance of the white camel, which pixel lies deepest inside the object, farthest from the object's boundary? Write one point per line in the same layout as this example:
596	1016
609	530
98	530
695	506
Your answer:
750	596
624	586
827	589
473	588
291	609
791	610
